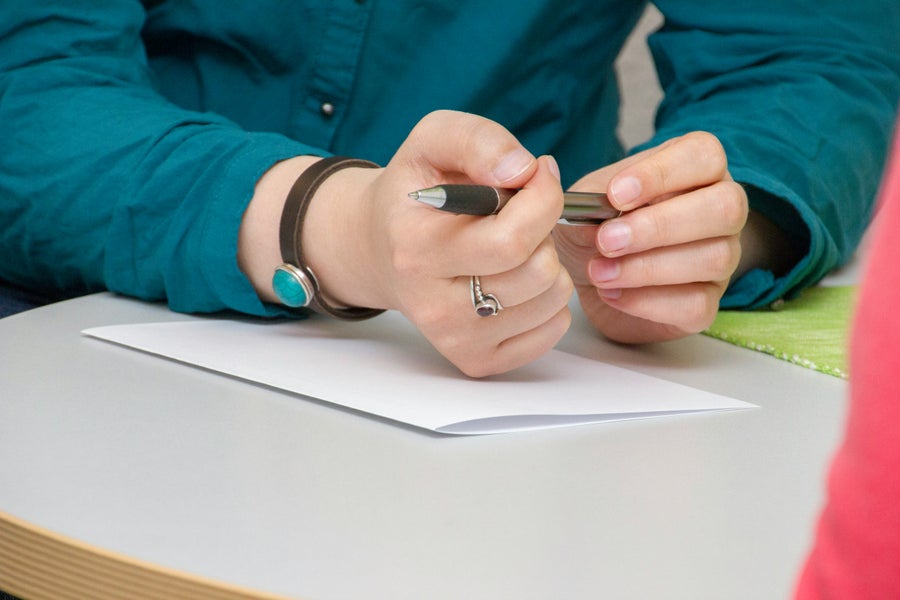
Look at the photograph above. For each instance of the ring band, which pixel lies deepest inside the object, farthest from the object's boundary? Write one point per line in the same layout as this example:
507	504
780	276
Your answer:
485	305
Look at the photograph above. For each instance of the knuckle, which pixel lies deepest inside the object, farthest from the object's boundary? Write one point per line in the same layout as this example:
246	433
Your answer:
641	267
733	207
704	141
407	262
564	321
479	127
475	133
700	309
428	317
455	343
566	284
734	242
428	122
435	116
511	246
543	267
707	148
559	290
478	365
659	225
721	258
658	173
478	369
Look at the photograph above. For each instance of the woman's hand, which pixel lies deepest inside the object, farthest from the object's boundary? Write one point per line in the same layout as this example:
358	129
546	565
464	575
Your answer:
657	272
371	245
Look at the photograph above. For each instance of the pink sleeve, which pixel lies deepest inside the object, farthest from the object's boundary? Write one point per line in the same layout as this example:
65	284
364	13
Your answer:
856	553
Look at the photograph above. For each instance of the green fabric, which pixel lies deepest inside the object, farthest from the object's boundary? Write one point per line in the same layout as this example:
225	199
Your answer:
811	330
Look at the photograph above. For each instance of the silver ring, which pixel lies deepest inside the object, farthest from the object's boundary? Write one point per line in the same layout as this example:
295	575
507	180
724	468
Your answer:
485	305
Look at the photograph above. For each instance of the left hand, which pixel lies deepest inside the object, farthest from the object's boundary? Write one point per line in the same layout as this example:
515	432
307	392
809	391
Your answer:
657	272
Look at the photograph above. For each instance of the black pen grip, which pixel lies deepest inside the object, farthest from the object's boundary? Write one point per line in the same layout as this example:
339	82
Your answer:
470	199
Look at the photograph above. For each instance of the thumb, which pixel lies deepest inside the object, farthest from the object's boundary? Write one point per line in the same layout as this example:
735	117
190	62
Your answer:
476	148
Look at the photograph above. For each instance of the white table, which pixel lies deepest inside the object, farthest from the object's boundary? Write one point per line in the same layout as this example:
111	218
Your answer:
188	477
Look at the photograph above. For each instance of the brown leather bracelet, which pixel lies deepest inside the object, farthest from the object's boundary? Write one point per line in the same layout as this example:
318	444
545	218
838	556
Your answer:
294	282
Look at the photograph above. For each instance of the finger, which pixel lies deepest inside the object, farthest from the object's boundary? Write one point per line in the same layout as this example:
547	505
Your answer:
518	350
507	239
532	344
688	162
706	260
525	331
455	142
577	236
527	281
717	210
599	179
462	245
678	310
575	249
446	310
513	320
482	346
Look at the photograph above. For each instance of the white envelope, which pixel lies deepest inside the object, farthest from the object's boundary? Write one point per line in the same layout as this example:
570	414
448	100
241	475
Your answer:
385	367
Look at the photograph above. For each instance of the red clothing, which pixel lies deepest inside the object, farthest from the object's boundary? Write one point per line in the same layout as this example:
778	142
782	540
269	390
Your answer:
856	553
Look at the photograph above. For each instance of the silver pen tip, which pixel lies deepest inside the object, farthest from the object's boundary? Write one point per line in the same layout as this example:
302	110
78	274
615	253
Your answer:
428	197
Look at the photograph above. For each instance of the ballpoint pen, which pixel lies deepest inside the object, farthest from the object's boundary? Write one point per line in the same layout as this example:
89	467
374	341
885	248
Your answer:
581	208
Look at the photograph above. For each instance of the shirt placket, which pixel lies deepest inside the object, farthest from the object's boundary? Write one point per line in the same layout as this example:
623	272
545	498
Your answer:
331	82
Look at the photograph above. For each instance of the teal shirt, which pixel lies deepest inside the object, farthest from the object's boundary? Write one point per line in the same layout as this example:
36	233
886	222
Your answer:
131	135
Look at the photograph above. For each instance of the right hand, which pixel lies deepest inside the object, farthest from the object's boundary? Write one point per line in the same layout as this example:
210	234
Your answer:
381	249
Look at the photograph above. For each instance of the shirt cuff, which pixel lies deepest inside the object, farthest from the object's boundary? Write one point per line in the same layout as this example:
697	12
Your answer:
759	288
221	284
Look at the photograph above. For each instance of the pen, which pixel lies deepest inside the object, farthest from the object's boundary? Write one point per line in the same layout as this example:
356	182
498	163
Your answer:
581	208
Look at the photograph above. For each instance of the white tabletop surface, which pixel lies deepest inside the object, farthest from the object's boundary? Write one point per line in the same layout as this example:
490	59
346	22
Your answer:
246	485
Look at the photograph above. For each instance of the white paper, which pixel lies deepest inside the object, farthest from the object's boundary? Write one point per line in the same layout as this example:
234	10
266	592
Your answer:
385	367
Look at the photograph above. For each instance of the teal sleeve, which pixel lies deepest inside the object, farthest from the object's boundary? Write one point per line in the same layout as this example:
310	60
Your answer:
803	96
106	184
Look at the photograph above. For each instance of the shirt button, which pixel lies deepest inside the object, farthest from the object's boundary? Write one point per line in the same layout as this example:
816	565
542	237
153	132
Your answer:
327	109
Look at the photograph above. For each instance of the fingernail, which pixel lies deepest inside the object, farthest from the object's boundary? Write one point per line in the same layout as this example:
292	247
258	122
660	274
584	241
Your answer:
602	270
614	236
553	166
625	189
612	294
513	164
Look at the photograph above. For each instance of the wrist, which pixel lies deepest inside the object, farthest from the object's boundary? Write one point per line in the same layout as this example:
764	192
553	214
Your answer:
766	246
297	235
337	237
259	253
